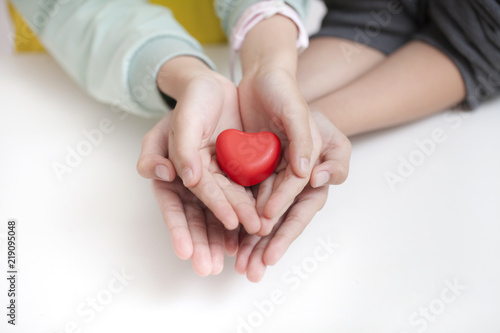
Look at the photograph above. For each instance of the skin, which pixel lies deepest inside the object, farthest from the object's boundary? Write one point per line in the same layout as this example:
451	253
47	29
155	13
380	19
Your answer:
377	92
270	99
182	144
256	253
208	103
362	92
197	207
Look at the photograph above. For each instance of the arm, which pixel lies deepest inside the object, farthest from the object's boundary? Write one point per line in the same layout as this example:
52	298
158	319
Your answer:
112	48
269	94
454	59
414	82
125	52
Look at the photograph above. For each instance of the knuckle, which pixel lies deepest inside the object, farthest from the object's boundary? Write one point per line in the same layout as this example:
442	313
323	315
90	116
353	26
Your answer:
211	192
346	143
284	238
308	142
215	228
339	175
142	166
147	139
223	182
295	219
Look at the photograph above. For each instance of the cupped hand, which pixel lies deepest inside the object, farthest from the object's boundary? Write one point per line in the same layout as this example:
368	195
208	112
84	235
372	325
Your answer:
195	232
270	100
183	142
256	253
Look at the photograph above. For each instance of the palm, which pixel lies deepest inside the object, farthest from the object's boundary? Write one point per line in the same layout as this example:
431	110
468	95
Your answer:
263	108
258	102
193	215
219	110
256	253
208	108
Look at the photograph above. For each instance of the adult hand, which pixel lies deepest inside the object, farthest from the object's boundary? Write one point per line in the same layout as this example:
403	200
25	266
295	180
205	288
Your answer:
195	231
256	253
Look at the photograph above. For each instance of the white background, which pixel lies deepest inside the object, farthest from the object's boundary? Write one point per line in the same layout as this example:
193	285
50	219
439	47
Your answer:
396	251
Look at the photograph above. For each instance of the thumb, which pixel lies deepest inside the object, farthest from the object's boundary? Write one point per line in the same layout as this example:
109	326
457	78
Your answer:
185	143
335	155
330	172
152	163
296	122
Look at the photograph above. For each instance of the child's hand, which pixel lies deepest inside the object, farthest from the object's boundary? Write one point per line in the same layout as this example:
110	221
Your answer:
270	99
256	253
183	142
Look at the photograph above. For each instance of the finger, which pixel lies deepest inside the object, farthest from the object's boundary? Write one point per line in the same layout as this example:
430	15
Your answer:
173	214
215	233
185	141
152	163
209	192
256	266
292	186
201	260
284	195
295	119
299	216
335	156
245	250
331	172
241	202
265	191
231	241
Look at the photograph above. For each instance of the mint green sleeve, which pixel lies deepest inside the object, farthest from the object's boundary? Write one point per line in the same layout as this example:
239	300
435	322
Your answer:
112	48
229	11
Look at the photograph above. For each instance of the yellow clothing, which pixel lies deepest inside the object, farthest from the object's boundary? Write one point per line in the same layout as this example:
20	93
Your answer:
197	16
24	37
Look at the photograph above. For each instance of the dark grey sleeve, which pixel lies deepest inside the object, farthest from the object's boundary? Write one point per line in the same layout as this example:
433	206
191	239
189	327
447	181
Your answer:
468	32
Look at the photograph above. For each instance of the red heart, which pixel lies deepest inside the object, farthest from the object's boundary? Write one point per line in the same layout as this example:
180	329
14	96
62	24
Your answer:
248	158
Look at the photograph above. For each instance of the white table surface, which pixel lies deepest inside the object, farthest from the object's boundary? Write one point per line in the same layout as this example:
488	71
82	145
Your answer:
395	253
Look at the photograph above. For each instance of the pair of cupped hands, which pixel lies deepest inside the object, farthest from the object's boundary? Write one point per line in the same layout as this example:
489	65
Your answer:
206	212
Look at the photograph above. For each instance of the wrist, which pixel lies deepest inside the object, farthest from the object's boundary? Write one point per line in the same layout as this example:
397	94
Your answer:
272	44
178	73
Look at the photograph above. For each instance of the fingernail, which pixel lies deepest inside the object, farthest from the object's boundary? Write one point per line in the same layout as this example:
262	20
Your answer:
304	165
321	179
162	172
187	176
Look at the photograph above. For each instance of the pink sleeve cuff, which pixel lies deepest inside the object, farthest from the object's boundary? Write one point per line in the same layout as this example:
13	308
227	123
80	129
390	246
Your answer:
261	11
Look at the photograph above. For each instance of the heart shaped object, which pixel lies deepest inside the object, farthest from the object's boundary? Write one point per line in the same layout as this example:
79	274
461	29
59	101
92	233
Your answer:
248	158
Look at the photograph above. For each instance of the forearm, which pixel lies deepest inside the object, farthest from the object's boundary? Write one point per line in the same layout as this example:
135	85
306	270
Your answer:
112	48
178	73
271	44
229	11
414	82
